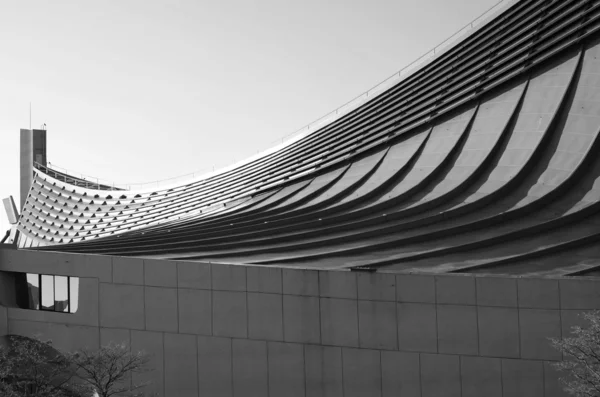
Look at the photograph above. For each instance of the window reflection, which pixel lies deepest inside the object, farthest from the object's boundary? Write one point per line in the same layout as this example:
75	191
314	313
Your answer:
73	293
61	294
54	293
33	289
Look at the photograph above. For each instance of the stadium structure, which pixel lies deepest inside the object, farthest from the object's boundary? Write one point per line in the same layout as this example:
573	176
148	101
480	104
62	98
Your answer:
425	242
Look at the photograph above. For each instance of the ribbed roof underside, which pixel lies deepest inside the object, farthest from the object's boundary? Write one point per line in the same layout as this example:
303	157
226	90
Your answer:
486	160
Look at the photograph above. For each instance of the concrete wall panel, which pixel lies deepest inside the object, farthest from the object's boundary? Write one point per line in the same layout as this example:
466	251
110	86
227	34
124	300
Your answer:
377	325
536	326
63	337
193	275
498	332
339	322
440	375
228	278
160	273
323	369
417	329
122	306
195	311
215	367
455	290
300	282
481	376
552	385
301	319
152	344
522	378
496	291
3	321
265	316
264	279
286	369
401	374
361	372
230	314
415	289
457	329
376	286
536	293
114	335
42	262
161	309
128	270
579	294
333	284
181	372
250	368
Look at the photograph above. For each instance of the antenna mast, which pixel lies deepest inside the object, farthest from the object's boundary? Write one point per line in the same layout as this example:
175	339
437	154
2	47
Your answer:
29	116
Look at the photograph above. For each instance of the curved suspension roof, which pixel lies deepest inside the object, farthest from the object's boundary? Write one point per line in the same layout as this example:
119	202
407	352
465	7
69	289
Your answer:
485	160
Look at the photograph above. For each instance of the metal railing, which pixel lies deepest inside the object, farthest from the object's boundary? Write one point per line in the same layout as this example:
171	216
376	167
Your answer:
349	106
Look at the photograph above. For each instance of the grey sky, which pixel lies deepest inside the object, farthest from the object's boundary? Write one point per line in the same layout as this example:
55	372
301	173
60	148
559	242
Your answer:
135	91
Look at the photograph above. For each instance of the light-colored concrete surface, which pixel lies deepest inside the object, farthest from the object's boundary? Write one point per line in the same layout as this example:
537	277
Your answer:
377	325
579	294
195	311
481	376
361	372
376	286
455	290
300	282
160	273
339	322
122	306
193	275
301	319
228	278
415	288
417	327
401	374
250	368
323	369
264	279
538	293
498	332
295	343
161	309
457	329
286	369
265	316
496	291
152	344
522	378
128	270
536	326
440	375
181	360
215	368
338	285
230	314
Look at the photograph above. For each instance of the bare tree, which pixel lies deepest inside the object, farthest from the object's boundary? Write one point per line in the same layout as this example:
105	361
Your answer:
107	371
32	367
582	358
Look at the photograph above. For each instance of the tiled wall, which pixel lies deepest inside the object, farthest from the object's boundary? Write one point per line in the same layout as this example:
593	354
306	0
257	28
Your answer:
217	330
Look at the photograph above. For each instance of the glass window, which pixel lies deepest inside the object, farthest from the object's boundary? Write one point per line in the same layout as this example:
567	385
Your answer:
73	293
61	294
47	292
33	291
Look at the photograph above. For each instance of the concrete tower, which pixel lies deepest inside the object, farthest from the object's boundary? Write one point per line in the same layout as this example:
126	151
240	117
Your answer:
33	149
